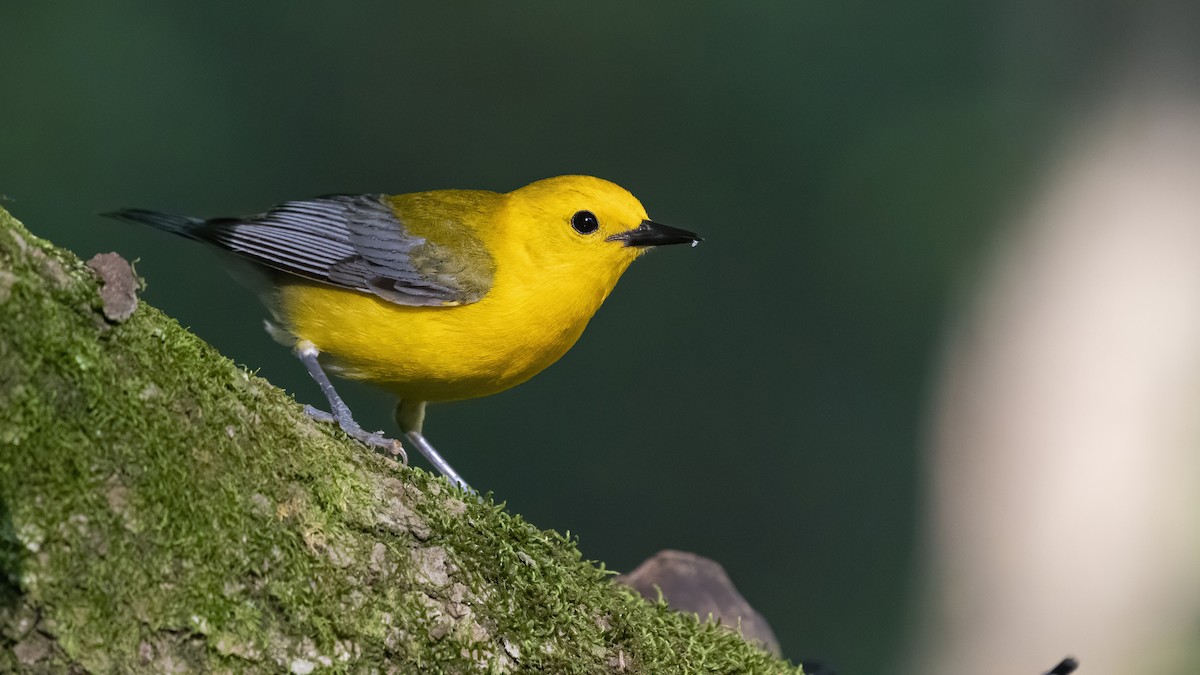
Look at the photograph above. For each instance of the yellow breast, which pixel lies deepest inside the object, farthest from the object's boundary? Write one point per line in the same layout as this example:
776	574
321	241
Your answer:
444	353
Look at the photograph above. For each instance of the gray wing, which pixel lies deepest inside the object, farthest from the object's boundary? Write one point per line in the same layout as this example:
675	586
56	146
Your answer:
350	241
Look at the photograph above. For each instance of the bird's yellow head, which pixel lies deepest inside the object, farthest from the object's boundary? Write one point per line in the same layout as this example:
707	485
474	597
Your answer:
584	225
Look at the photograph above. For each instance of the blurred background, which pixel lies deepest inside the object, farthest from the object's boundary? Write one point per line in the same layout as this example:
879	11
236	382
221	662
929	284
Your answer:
853	394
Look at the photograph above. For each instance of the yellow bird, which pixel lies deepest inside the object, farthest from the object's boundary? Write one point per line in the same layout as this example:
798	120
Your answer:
433	296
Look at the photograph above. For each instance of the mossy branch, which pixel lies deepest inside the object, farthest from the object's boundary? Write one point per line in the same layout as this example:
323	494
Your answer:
163	510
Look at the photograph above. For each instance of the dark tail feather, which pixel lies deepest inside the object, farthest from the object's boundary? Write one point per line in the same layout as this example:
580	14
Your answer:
181	225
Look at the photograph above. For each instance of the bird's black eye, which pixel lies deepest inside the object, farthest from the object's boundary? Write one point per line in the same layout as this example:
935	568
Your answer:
585	222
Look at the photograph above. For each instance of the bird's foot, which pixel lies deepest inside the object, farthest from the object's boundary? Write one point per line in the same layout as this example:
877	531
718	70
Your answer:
388	446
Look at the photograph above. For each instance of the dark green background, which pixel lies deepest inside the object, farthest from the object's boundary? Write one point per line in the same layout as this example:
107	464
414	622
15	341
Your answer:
758	399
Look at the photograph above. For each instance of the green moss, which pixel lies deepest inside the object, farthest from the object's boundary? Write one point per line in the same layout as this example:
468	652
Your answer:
158	502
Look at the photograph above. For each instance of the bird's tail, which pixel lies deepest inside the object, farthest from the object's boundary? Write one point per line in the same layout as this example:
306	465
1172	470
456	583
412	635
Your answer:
181	225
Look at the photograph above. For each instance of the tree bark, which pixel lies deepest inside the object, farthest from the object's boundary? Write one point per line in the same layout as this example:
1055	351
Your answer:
163	510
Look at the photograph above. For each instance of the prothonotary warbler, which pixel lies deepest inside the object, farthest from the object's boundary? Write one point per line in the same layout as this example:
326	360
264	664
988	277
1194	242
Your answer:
433	296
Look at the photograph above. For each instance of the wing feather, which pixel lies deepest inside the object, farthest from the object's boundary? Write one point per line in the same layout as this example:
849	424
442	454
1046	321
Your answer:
350	241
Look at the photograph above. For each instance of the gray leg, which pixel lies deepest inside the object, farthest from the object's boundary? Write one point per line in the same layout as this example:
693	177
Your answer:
307	354
437	460
410	415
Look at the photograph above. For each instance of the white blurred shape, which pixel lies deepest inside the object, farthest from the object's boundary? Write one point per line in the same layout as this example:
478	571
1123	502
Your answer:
1065	514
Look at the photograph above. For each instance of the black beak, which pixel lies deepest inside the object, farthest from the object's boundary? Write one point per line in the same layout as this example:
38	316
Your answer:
650	233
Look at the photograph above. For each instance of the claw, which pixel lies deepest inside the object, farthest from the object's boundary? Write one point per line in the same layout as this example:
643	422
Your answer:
377	440
389	446
319	415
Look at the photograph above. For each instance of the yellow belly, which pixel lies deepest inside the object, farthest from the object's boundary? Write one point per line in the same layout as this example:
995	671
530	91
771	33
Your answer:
435	353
